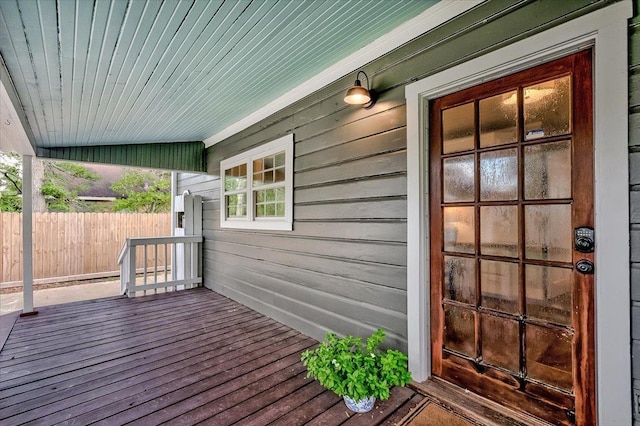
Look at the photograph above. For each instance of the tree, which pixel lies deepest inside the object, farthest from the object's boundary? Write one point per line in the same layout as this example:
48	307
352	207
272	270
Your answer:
143	191
10	182
61	184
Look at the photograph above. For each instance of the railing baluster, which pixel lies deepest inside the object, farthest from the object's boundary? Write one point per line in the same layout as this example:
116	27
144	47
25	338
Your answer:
194	262
132	270
122	275
185	262
144	271
174	268
166	264
155	267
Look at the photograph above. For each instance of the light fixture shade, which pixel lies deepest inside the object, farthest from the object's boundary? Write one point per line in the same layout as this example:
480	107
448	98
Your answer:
357	95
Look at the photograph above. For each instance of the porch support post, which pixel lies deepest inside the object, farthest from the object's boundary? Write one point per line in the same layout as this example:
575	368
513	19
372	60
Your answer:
27	240
174	224
174	189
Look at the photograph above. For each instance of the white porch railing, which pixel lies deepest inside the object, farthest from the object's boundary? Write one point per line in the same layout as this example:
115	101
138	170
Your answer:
186	275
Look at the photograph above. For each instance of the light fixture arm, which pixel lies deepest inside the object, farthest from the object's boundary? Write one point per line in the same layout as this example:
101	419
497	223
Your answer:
365	76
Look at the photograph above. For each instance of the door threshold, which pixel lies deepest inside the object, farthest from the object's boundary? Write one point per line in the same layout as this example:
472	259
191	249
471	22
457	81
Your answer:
473	406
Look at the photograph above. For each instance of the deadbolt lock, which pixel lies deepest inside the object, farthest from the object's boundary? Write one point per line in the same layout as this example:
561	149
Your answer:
585	266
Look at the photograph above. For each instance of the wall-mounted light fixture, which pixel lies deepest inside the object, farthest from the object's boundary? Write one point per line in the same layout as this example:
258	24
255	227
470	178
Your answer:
358	95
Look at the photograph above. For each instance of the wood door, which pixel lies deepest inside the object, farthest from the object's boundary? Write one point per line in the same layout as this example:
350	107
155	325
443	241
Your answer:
511	178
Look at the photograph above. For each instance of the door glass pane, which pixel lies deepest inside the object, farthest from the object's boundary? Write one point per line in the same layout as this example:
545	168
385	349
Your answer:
459	229
498	119
499	175
458	129
549	356
499	230
459	330
548	232
460	279
547	108
458	178
501	342
547	171
499	285
549	293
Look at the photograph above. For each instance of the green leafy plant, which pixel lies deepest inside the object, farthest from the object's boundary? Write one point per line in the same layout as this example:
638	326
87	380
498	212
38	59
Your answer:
350	368
147	191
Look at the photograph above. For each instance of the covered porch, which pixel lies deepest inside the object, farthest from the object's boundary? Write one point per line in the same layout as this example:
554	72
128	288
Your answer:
185	357
350	243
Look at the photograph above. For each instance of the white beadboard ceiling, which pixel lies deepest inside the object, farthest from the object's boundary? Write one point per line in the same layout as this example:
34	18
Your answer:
95	72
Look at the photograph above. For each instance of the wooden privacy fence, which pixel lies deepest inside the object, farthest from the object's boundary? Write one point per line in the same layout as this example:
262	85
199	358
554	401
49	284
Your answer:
70	245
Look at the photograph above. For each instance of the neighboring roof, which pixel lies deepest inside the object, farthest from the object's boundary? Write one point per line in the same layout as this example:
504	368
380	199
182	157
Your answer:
102	187
116	72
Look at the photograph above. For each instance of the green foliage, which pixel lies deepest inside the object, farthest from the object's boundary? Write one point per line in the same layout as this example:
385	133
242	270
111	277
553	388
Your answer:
61	184
10	182
347	367
146	192
10	202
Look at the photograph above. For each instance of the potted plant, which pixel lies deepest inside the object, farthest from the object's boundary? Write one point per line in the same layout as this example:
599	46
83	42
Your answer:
358	372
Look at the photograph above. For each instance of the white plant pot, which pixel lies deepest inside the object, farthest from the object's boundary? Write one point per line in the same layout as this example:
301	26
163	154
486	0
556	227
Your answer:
362	406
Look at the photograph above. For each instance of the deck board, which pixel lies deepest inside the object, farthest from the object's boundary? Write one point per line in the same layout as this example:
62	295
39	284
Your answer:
183	358
74	377
108	337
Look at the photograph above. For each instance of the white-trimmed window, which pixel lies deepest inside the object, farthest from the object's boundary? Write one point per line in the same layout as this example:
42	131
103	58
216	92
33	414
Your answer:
256	187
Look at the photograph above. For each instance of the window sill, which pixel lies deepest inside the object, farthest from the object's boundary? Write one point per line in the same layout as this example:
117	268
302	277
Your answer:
258	225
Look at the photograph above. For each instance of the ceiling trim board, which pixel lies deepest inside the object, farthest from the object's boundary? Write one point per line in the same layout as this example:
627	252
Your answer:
176	156
16	135
427	20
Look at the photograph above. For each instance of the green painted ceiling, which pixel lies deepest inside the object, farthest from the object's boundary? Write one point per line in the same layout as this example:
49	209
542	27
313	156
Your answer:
142	71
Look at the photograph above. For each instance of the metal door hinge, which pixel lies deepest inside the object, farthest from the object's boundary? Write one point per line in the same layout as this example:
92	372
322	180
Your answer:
636	404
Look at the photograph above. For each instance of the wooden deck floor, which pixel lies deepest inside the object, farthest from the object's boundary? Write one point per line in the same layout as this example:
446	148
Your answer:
191	357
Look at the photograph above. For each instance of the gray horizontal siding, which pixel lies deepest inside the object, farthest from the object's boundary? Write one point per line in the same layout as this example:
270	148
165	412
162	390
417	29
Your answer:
286	291
369	272
366	147
378	165
343	267
387	253
356	210
199	184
